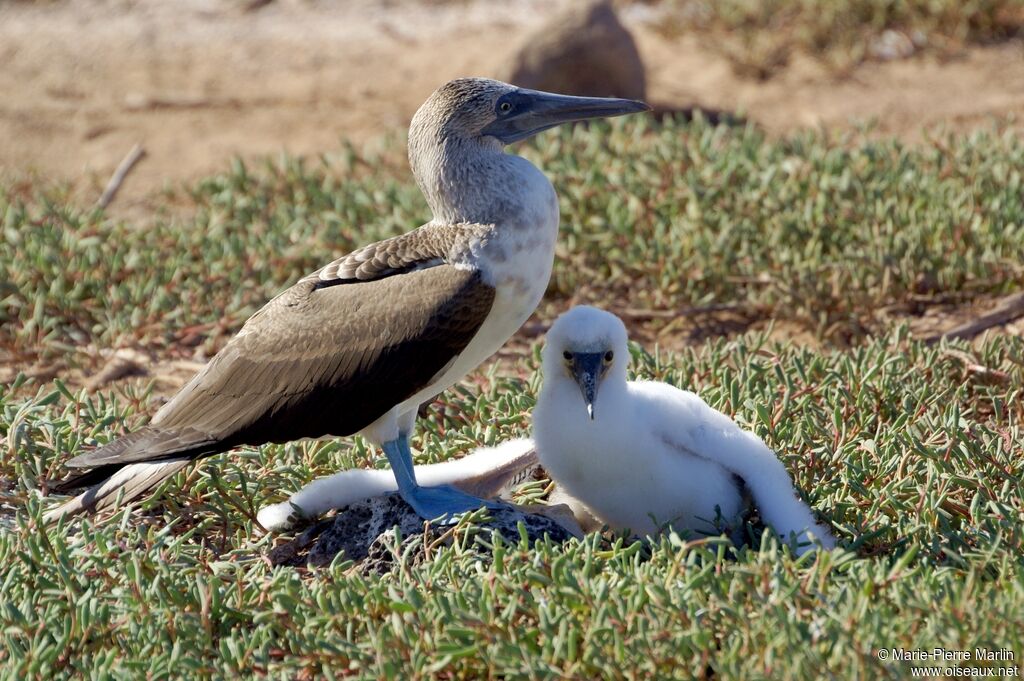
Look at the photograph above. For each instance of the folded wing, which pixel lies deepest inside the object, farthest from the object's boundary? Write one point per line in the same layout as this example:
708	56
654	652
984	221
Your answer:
711	435
328	356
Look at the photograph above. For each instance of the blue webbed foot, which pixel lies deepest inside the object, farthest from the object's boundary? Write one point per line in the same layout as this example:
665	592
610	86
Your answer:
444	502
431	503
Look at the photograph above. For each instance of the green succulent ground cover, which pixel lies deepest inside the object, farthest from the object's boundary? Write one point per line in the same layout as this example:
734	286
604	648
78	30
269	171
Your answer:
823	233
913	452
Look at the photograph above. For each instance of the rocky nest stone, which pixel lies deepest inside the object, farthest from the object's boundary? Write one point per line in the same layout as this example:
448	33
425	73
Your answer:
367	533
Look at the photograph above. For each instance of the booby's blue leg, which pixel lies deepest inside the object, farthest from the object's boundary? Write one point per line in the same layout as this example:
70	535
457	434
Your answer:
405	461
429	502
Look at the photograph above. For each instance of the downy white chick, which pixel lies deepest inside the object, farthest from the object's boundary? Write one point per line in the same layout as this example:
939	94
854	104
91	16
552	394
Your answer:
640	455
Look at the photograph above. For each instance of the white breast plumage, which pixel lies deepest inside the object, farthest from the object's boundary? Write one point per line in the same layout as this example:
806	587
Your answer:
515	257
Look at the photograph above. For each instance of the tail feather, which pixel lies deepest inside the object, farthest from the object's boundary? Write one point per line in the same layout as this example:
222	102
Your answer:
129	467
81	480
149	443
133	479
109	450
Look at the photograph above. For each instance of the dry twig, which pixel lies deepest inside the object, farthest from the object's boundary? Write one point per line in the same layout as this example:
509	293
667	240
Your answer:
1008	309
123	363
974	368
129	161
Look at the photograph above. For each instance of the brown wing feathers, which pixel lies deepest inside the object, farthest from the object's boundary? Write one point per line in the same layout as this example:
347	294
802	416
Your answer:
396	255
314	361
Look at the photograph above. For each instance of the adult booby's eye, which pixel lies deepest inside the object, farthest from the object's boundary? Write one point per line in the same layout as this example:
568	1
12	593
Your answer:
567	355
609	356
505	107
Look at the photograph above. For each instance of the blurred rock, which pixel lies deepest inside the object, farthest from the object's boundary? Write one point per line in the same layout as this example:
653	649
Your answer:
892	45
365	532
584	50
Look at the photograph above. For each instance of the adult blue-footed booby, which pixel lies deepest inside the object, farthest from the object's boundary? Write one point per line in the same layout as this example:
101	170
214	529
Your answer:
359	345
641	454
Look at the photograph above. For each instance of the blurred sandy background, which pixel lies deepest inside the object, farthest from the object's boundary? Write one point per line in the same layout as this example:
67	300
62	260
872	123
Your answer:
198	81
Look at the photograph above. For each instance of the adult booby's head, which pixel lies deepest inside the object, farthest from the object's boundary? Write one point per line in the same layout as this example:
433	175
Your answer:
456	135
589	347
491	112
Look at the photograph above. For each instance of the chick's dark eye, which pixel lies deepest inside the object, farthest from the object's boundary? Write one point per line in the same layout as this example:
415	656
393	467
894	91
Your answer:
567	355
609	356
505	107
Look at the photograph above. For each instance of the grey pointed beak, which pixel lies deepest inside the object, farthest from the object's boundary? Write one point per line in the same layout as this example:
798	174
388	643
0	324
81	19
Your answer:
587	368
532	111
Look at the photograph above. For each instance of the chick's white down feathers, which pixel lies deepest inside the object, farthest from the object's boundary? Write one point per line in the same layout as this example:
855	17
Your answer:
653	454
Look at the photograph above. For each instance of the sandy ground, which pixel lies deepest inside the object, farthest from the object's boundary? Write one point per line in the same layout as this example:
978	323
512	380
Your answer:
196	82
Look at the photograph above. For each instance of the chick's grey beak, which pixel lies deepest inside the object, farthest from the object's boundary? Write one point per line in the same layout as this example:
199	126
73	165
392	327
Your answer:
533	111
586	369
